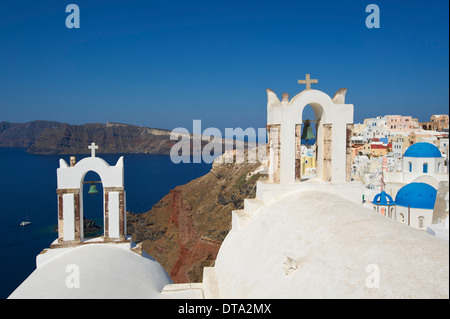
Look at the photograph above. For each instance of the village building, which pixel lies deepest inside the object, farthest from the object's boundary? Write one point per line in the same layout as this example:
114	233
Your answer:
415	204
437	122
384	204
399	123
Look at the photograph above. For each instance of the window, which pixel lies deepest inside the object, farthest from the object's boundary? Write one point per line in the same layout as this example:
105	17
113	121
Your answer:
402	218
410	166
421	221
425	168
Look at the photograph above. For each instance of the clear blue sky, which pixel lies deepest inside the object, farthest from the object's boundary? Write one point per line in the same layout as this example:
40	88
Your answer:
164	63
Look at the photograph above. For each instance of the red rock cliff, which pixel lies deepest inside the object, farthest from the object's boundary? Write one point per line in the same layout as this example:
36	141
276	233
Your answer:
185	229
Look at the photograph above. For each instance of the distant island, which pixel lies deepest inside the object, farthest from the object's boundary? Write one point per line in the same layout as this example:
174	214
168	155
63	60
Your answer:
49	137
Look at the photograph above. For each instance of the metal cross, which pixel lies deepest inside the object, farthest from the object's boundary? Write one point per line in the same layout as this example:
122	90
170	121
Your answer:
308	82
93	147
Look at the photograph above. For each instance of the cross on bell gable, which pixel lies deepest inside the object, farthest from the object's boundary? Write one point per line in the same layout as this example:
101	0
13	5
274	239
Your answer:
308	81
93	147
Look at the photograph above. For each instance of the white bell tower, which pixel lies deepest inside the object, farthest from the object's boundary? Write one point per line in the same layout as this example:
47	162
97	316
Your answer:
334	124
70	200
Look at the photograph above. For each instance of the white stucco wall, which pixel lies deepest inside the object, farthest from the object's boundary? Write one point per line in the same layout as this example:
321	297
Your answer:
415	213
69	217
72	177
114	214
436	168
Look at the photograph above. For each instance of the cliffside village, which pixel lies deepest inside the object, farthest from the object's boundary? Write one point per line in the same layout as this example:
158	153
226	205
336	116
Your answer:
403	164
385	139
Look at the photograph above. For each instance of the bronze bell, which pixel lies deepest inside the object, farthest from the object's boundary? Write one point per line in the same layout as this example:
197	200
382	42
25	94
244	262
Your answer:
93	190
307	133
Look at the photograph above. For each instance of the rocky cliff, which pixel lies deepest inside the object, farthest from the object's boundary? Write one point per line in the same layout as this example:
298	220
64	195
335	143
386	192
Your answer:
110	137
44	137
185	229
24	134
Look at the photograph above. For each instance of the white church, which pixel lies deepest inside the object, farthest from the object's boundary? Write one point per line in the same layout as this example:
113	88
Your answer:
417	188
299	238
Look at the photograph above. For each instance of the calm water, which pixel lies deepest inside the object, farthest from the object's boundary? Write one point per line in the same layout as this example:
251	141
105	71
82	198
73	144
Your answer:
28	192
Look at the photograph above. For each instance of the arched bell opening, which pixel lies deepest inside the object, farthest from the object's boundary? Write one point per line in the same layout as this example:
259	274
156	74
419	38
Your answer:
92	214
306	160
308	143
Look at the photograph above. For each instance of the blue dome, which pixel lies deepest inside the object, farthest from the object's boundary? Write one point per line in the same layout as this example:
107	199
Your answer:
416	195
422	149
383	199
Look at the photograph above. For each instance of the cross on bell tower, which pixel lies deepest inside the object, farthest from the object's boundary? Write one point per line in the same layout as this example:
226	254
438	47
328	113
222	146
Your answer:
308	82
93	147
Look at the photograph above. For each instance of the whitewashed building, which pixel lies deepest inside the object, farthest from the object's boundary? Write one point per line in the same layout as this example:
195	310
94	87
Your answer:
423	159
415	205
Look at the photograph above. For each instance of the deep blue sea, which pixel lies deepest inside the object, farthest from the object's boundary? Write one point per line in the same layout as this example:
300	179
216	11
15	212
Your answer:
28	192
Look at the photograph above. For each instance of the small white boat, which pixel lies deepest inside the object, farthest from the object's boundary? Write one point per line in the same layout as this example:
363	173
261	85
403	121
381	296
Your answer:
24	223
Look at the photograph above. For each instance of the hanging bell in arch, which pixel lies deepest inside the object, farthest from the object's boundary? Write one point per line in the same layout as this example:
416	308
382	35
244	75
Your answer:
93	189
307	133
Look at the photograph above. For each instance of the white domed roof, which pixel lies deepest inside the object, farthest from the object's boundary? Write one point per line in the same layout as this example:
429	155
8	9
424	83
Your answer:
105	271
314	244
